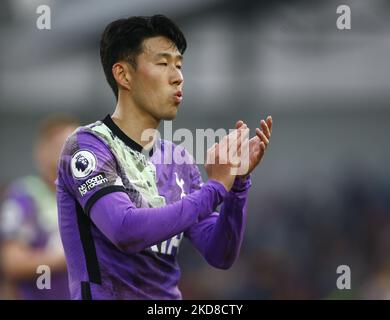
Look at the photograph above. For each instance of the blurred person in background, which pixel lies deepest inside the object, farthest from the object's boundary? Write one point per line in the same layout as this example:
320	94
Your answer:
29	221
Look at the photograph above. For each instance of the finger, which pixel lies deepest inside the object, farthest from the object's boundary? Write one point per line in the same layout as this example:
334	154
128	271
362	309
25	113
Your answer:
242	138
264	138
265	128
212	154
216	152
239	146
242	151
234	140
225	146
269	123
242	145
231	143
244	154
223	143
239	124
259	134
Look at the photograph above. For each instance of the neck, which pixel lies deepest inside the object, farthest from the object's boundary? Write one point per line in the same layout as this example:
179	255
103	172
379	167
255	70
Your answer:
132	120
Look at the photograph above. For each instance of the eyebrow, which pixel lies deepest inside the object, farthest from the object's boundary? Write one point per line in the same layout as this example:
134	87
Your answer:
169	55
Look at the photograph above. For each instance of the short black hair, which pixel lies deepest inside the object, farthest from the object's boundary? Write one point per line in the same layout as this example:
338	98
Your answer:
122	40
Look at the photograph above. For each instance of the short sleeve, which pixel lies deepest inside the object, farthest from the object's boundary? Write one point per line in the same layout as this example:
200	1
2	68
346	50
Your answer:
88	169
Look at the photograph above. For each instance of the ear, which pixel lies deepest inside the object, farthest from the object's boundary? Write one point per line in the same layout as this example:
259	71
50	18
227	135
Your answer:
122	75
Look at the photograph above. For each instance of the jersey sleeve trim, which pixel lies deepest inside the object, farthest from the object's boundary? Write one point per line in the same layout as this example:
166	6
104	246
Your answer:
102	192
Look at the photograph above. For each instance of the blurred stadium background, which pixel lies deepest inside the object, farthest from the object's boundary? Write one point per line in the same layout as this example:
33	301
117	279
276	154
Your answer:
321	197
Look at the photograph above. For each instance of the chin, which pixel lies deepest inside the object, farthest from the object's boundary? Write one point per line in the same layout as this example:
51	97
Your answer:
170	116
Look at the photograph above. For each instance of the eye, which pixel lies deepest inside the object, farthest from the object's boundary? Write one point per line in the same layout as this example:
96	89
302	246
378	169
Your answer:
162	64
179	67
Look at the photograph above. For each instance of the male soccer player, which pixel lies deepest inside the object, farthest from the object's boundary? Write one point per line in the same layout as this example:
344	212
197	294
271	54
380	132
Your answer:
29	221
122	212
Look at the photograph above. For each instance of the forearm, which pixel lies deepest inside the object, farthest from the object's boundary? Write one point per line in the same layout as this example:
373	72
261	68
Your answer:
20	262
219	240
134	229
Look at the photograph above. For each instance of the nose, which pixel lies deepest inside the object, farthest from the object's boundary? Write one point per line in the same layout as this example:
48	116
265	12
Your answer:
176	77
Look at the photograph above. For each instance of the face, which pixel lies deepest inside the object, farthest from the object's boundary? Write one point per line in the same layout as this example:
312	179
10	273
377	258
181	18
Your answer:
157	83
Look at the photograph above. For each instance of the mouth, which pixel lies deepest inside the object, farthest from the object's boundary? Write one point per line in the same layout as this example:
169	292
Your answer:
178	96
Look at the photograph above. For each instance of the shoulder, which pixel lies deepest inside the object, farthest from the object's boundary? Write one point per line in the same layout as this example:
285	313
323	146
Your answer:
85	136
84	152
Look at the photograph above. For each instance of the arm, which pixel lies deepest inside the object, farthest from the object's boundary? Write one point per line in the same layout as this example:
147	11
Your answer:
133	229
218	237
20	262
